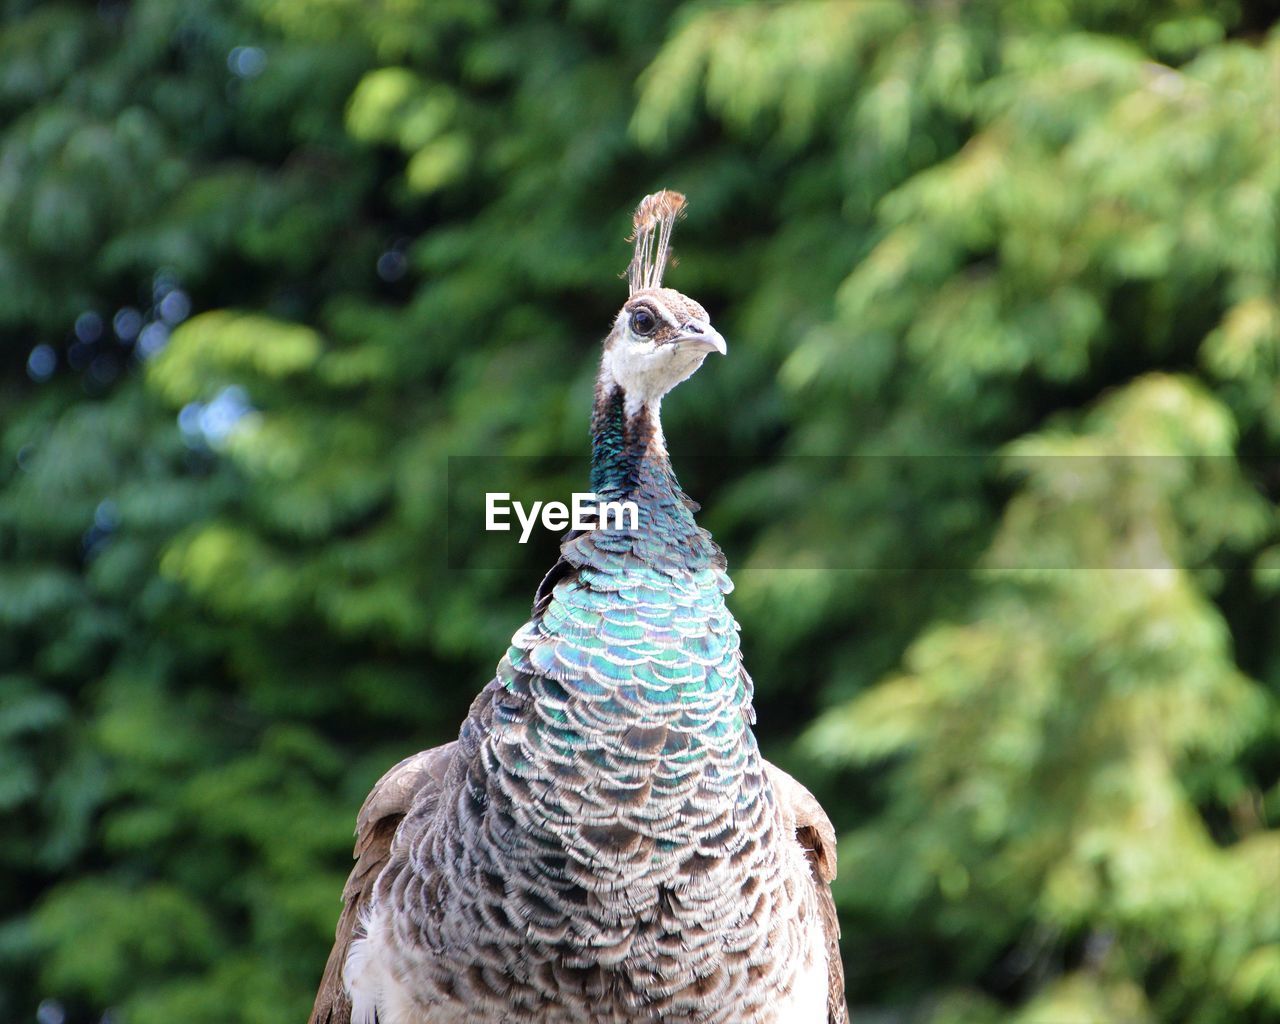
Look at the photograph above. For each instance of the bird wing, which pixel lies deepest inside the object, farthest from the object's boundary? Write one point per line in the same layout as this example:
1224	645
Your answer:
384	808
801	811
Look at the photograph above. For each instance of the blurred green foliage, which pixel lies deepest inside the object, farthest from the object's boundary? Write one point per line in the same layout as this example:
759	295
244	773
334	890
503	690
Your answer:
266	264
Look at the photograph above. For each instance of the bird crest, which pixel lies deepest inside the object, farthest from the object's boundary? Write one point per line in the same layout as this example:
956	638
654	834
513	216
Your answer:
654	219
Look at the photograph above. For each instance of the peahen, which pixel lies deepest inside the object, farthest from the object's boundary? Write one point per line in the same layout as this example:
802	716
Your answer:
603	842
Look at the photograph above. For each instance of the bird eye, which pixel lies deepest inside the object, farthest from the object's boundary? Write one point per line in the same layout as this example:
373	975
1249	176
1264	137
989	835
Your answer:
643	322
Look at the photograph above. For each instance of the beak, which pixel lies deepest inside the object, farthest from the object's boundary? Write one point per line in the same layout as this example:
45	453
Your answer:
696	336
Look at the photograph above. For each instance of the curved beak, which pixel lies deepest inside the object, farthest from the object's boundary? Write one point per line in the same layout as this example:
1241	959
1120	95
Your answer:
697	336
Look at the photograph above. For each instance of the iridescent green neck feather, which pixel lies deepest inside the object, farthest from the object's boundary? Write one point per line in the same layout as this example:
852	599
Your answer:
629	462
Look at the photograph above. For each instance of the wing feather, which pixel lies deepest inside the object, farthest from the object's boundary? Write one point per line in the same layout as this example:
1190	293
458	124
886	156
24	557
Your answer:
412	780
801	810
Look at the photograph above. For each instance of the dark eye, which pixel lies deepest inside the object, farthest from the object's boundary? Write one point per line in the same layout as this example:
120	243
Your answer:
643	322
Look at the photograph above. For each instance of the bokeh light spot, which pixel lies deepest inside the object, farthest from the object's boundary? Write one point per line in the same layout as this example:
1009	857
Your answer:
247	61
88	327
153	338
221	415
50	1011
41	363
175	307
392	265
162	284
105	516
189	420
127	323
212	422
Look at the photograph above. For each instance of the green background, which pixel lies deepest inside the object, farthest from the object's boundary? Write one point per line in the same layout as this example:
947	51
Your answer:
266	264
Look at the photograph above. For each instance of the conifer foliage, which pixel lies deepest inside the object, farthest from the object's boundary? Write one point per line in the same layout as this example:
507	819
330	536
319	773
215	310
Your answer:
994	461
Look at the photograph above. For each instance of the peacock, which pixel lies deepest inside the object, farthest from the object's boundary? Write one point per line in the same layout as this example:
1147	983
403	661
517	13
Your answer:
603	842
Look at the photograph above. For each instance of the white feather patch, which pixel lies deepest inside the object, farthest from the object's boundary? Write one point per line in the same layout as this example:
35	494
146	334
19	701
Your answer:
646	371
806	1003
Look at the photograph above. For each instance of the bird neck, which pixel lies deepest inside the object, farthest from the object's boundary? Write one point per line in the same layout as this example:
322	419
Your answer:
629	460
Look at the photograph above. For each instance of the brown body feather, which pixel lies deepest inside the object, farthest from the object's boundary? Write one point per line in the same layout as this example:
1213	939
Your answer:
421	778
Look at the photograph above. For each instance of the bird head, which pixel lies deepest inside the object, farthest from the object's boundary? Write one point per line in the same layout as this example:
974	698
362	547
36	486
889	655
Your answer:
659	337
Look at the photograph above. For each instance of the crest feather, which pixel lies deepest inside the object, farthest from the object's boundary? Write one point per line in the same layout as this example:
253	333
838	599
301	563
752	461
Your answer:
654	219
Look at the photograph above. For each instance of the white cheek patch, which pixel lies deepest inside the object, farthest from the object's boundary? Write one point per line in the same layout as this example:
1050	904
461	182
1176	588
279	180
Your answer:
647	372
